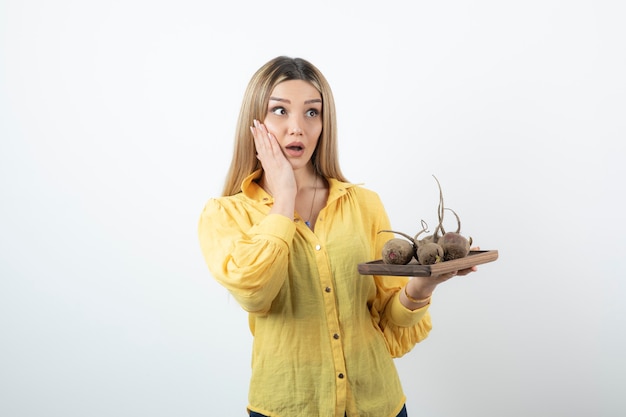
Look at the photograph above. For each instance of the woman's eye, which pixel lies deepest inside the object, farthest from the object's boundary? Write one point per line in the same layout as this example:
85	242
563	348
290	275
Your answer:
278	110
312	113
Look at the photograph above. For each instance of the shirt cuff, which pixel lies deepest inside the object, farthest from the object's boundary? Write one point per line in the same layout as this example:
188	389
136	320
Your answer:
277	226
402	316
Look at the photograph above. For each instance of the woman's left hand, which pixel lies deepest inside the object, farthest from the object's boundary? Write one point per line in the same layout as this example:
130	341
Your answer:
423	287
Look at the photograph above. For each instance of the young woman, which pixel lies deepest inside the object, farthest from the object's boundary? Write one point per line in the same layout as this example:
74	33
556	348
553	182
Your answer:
285	239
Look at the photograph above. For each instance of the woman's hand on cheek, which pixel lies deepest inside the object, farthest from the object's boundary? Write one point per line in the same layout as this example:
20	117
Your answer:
278	171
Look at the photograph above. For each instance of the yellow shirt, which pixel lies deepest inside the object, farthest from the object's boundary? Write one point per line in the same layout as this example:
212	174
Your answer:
324	335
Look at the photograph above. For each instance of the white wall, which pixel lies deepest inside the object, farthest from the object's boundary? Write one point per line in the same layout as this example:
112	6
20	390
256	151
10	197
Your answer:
116	125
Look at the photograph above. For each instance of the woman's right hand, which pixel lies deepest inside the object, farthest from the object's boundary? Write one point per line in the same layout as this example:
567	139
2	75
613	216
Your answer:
279	178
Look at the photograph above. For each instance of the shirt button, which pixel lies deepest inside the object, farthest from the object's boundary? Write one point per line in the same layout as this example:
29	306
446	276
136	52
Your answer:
327	289
318	247
336	336
340	376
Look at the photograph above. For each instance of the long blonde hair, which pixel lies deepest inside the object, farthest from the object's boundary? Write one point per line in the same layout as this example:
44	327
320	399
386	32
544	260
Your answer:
256	97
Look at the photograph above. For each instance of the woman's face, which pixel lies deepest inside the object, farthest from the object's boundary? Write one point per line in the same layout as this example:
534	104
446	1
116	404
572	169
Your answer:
294	116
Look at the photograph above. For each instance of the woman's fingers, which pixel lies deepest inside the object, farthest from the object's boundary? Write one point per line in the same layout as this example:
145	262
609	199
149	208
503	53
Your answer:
467	270
279	173
261	139
265	143
460	272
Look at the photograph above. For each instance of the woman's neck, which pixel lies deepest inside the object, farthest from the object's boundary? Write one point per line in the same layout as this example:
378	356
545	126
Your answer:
305	177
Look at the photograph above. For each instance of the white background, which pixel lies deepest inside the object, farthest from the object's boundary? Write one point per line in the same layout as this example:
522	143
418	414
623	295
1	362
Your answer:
116	125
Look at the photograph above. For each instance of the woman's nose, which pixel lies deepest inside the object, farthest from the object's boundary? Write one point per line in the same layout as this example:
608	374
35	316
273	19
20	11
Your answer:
294	127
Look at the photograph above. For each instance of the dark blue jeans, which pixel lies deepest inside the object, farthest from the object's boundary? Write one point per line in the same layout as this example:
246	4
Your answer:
402	413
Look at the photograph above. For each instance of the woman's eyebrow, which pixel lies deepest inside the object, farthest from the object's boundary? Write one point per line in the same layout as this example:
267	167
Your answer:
315	100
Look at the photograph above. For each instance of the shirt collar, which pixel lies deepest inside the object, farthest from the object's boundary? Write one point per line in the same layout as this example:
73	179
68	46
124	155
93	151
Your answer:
254	191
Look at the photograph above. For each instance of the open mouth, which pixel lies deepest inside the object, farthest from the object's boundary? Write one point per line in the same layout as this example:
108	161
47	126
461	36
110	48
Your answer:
295	149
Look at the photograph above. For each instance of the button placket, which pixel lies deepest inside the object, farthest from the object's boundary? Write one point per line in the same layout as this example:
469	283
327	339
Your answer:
331	315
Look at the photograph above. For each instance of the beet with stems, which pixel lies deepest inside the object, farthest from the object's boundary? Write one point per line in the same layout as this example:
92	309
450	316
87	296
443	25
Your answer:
398	251
427	252
454	244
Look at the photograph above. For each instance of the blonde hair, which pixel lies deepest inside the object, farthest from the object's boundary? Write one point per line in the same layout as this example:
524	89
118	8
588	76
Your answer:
254	106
